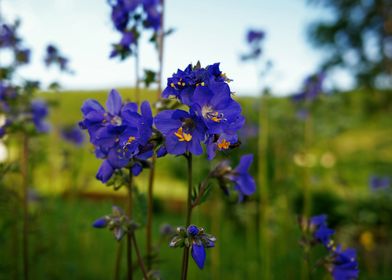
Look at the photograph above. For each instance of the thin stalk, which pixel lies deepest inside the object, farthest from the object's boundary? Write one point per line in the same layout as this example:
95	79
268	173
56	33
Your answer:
139	257
161	38
25	185
185	256
117	264
263	185
306	179
307	196
150	209
137	79
129	240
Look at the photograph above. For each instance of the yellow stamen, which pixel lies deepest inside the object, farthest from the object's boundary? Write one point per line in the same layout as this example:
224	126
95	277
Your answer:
172	85
224	145
131	139
183	136
215	117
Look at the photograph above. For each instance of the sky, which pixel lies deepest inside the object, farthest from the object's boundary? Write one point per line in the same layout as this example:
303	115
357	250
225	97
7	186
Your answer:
206	30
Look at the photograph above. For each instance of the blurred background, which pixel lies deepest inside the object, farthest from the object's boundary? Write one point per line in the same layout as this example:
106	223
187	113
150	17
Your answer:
336	145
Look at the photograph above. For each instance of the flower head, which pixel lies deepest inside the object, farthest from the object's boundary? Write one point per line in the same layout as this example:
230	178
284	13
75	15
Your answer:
73	135
119	133
312	87
117	222
378	183
195	238
345	265
183	131
39	111
321	232
214	116
54	57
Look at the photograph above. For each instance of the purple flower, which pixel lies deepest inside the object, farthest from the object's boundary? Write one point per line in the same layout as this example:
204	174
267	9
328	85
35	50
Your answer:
73	135
254	36
39	111
313	86
244	183
378	183
345	265
195	238
101	222
198	253
183	131
183	83
321	231
220	113
54	57
117	222
124	48
120	134
8	37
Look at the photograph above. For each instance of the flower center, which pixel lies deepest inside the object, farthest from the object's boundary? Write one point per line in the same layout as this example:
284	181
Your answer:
224	145
116	120
182	136
130	140
209	113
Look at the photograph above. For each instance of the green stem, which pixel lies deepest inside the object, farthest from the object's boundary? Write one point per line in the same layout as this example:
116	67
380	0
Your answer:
139	257
307	188
117	265
150	210
263	185
25	185
185	256
137	79
161	38
129	240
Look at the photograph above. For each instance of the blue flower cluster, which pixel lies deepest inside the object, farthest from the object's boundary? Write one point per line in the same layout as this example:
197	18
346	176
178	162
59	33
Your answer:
10	40
197	239
254	38
129	17
73	135
54	57
379	182
312	87
19	111
213	116
120	134
342	263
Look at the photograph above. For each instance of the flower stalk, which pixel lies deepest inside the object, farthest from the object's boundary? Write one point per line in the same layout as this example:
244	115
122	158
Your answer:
25	186
185	257
129	237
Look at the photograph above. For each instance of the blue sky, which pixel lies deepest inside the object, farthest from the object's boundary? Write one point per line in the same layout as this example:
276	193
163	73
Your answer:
206	30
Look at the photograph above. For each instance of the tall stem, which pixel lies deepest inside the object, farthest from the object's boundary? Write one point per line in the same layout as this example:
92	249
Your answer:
307	188
161	38
185	256
117	265
25	185
129	239
263	185
150	210
139	257
137	79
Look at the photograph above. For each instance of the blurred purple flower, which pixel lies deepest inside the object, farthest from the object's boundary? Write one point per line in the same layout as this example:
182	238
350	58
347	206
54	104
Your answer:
378	183
73	135
39	111
345	265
